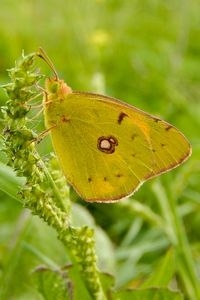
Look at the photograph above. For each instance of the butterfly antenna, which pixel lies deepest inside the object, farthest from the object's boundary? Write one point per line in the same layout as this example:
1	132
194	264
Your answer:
42	54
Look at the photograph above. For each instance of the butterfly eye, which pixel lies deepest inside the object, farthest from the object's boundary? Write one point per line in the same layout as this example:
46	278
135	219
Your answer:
54	87
107	144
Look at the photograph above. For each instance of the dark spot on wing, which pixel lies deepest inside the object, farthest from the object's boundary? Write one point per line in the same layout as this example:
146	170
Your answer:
118	175
156	119
168	127
107	144
105	178
162	144
133	136
121	116
89	179
64	119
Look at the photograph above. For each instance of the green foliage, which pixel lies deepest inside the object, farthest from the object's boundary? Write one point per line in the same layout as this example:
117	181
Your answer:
157	294
145	52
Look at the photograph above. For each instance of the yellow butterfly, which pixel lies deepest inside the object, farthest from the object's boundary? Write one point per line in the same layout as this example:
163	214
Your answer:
107	148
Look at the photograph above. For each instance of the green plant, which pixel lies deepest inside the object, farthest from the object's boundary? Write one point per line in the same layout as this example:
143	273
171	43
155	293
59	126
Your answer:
45	193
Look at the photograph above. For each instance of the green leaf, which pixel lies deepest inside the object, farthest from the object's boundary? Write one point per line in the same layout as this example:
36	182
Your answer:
162	275
9	182
53	284
153	294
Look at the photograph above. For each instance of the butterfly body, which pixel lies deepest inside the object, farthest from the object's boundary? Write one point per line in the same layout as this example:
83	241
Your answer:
107	148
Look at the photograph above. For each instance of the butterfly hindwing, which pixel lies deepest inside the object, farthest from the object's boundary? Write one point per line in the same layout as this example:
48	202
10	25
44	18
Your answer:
107	148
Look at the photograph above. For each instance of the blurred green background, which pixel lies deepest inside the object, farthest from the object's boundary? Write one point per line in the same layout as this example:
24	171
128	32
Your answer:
144	52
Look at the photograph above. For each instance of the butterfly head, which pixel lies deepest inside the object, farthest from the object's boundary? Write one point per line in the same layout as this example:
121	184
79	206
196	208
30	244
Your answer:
56	89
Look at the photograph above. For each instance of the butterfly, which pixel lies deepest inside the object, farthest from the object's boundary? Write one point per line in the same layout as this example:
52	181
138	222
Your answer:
106	148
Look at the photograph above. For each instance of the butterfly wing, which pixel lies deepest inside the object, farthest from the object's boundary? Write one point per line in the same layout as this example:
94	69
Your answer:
107	148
